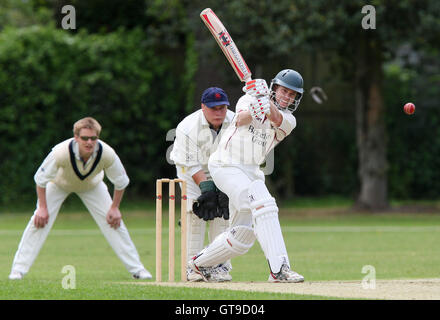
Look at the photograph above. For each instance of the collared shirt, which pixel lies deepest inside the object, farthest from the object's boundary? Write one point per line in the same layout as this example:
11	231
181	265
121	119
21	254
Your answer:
48	170
196	141
91	159
248	145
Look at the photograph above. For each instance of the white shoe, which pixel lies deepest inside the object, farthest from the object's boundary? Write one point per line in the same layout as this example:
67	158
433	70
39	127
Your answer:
143	274
285	275
192	276
15	275
220	274
205	273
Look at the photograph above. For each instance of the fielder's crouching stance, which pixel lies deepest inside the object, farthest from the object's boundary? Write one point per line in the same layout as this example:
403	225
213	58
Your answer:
263	118
78	165
197	137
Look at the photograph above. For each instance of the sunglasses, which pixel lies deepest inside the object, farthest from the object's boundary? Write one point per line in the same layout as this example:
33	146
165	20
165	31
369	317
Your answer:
85	138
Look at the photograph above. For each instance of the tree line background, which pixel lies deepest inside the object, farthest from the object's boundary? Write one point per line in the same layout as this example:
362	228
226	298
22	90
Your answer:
140	66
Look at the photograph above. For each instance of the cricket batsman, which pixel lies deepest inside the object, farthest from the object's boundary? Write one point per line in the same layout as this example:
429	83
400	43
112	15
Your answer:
263	119
197	136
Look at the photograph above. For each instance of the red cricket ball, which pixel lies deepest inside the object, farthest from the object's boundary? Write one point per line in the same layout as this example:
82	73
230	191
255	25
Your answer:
409	108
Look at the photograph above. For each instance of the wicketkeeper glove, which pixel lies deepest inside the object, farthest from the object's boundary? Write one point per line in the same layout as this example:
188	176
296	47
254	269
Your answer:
205	206
223	205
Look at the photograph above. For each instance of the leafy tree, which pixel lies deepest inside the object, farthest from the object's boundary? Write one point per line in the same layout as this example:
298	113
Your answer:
15	13
363	54
118	78
270	32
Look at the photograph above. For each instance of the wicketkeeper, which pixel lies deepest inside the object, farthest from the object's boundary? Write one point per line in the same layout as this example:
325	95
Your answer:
197	137
263	119
77	165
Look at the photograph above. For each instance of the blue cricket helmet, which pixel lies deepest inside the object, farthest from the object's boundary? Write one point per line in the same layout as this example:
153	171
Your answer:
290	79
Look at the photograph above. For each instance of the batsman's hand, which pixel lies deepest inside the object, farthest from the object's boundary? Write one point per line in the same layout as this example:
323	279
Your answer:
114	218
260	108
256	88
205	206
223	205
41	217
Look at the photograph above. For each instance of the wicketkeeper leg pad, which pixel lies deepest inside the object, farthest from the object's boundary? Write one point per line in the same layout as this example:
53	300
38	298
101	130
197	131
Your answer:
217	227
195	234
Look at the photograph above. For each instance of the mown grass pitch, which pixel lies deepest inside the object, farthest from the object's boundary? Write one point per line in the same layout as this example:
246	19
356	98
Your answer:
320	246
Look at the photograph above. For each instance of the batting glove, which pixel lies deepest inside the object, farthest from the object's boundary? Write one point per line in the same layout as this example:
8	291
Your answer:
260	108
256	87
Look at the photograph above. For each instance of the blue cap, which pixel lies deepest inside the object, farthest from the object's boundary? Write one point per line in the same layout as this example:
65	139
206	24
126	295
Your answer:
214	96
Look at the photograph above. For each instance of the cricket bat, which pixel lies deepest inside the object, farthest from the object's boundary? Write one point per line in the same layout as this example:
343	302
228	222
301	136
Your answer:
226	43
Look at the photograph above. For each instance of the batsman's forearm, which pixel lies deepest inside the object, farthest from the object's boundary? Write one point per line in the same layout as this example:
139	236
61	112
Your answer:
244	118
117	198
41	194
275	116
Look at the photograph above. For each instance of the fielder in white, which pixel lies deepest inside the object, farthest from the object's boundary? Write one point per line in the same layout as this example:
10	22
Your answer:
197	137
263	119
78	165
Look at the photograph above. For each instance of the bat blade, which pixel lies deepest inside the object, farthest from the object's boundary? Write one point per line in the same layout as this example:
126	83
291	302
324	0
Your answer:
226	43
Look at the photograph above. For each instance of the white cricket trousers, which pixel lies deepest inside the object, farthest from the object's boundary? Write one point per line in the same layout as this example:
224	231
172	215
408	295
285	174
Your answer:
98	201
235	183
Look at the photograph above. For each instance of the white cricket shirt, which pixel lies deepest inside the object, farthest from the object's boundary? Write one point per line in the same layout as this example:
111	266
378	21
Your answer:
195	142
64	167
248	145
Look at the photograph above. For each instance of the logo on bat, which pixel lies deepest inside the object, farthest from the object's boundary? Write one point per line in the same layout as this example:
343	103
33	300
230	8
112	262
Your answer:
225	38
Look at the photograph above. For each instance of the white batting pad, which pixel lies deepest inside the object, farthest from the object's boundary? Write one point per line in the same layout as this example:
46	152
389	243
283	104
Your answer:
267	226
259	195
237	241
217	227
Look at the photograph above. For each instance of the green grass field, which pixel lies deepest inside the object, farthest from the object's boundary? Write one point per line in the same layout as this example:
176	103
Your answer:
322	244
